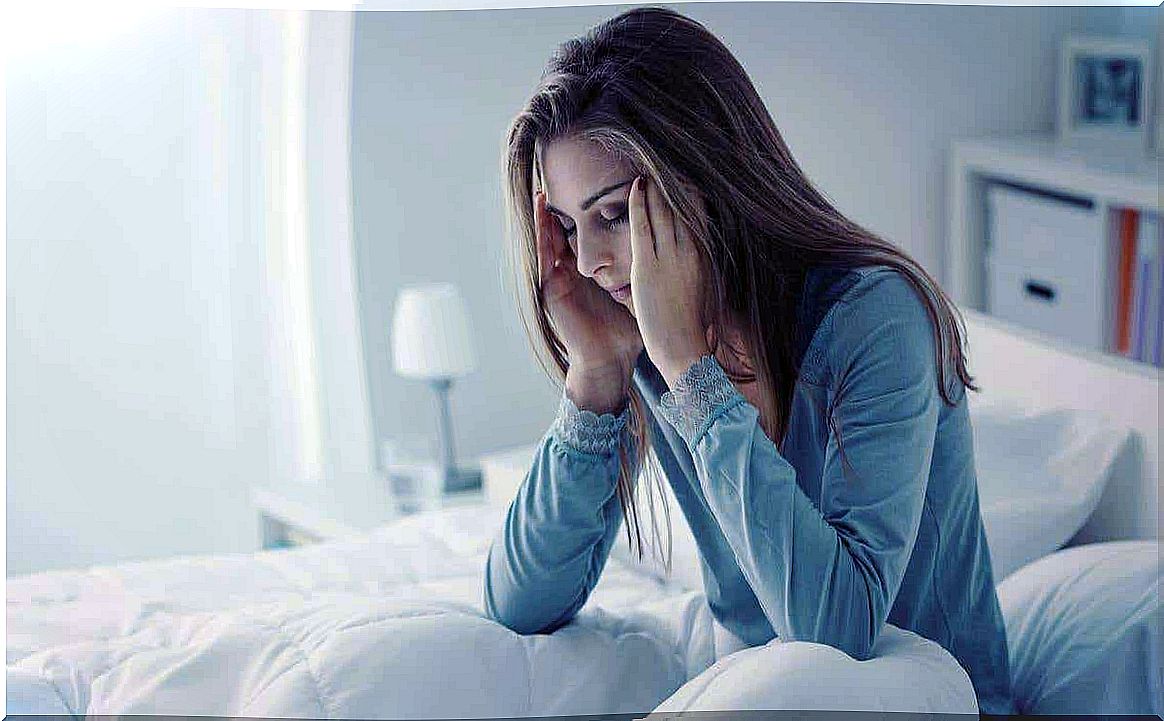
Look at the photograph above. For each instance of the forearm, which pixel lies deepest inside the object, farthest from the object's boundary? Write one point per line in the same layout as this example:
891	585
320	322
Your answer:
816	580
804	576
560	527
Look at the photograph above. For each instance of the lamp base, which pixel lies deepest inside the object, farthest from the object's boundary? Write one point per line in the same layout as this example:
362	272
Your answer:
463	479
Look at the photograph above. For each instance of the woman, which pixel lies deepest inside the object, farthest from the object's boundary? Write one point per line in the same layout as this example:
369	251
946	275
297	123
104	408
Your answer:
790	370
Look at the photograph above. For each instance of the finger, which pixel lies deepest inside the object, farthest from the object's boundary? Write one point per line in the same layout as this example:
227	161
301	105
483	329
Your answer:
556	245
642	240
662	219
563	253
544	246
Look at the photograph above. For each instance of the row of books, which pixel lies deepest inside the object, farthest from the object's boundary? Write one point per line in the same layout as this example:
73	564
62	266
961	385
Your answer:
1138	283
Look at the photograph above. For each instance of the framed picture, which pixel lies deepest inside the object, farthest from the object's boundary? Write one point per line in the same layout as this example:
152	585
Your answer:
1104	93
1159	144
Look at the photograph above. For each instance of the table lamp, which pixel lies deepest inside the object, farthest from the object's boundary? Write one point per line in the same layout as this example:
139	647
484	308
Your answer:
430	341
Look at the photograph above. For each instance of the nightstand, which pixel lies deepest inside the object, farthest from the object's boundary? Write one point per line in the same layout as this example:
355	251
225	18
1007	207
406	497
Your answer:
416	485
286	521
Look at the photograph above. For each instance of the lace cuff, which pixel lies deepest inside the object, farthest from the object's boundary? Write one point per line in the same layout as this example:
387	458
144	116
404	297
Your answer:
700	393
585	430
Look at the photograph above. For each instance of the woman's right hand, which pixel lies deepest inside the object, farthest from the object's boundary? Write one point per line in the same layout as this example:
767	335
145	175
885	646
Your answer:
599	333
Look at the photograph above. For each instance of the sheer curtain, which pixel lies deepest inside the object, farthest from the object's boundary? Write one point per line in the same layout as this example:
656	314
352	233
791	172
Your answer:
277	152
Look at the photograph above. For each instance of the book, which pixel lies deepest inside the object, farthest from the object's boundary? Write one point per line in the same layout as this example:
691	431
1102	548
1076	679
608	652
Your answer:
1129	220
1158	302
1111	292
1143	286
1151	222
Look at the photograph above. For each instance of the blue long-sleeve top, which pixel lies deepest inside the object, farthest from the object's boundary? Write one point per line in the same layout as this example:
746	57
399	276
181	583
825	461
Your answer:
793	542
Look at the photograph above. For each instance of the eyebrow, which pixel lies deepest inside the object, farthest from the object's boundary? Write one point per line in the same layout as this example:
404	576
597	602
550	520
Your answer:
593	198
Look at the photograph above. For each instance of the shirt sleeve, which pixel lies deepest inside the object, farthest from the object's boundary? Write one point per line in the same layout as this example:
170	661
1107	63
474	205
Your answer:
560	527
828	574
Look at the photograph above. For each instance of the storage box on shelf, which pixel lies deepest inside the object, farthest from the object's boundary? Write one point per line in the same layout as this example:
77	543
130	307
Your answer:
1044	264
1029	231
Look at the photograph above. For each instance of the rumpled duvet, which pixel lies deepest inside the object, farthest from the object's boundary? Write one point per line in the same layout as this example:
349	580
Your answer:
390	625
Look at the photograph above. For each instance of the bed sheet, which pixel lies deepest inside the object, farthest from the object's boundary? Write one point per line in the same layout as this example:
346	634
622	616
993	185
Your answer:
388	624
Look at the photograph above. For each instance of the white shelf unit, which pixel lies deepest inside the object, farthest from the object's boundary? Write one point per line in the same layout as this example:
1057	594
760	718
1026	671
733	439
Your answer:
1038	162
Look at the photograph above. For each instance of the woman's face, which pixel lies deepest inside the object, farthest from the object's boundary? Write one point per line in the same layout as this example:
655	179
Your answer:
587	191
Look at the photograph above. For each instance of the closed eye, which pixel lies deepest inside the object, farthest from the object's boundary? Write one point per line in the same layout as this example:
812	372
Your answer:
610	223
616	220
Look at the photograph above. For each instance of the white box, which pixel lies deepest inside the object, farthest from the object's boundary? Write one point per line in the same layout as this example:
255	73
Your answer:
1046	265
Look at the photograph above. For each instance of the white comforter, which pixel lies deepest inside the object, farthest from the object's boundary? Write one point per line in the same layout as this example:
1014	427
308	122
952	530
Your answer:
390	625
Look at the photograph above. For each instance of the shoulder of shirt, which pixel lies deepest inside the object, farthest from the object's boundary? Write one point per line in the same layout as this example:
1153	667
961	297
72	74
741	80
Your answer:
870	294
877	285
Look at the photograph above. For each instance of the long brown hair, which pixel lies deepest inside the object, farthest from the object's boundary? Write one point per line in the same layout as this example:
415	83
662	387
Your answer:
659	91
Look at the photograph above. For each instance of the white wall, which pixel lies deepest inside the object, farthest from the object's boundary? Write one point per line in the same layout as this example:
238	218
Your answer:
127	436
868	97
1141	22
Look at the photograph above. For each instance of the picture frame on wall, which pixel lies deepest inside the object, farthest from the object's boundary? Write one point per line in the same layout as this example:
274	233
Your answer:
1159	142
1105	94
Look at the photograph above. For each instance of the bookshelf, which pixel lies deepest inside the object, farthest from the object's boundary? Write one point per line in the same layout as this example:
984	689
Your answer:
1102	184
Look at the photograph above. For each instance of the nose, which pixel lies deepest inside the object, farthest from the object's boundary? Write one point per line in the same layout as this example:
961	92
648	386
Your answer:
592	255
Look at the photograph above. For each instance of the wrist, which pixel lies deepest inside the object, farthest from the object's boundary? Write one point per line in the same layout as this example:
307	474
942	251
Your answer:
587	431
702	391
603	390
680	362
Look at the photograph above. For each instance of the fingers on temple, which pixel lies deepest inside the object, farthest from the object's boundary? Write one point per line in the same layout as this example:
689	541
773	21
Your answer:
662	220
641	221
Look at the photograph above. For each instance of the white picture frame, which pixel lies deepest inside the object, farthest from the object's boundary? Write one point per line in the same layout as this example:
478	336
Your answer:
1158	144
1105	94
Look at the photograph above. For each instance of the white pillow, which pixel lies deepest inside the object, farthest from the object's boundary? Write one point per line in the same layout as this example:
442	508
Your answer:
1084	629
1040	475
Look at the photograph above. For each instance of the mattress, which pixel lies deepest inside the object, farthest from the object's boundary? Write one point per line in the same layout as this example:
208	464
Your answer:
390	625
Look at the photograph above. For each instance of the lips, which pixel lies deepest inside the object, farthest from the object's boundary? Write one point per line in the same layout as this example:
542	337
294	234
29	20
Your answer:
621	294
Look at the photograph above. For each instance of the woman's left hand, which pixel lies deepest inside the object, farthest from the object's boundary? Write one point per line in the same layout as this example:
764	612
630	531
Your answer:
667	284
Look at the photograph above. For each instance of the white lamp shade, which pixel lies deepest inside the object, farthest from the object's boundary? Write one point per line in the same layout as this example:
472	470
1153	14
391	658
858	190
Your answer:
430	332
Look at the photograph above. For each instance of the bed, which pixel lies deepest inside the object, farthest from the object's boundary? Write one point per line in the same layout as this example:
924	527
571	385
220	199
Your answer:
389	624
